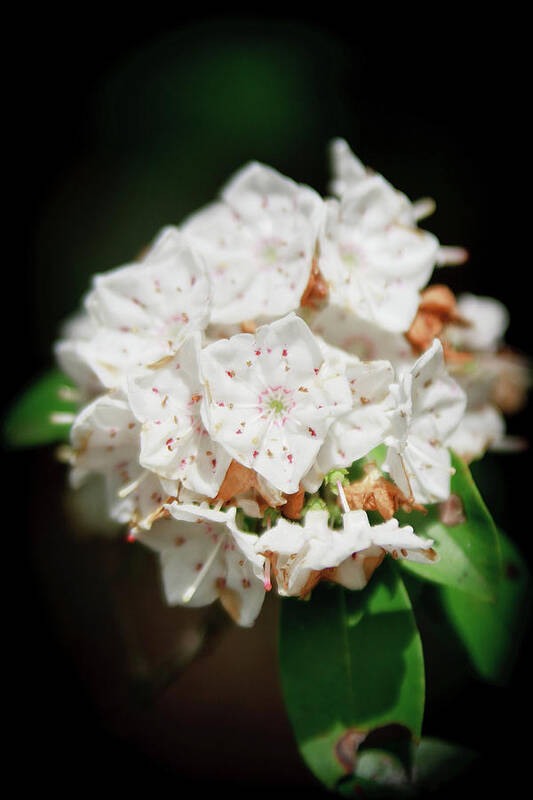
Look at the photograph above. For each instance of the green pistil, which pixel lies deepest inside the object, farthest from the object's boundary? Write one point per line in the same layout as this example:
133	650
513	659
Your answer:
270	254
276	406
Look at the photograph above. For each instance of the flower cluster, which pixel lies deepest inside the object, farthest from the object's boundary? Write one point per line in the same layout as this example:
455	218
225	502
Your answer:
238	377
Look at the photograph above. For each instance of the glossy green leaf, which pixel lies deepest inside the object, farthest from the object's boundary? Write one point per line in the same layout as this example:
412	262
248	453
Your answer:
30	420
469	551
491	633
350	662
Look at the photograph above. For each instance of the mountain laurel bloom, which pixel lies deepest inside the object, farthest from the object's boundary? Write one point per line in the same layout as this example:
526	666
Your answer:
237	380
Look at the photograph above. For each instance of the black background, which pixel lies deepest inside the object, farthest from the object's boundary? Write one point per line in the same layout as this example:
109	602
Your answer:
439	107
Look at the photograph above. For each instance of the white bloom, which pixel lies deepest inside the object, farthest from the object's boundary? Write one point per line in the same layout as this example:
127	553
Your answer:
205	557
174	441
142	312
271	398
299	553
258	243
430	405
378	201
488	320
375	272
367	423
479	430
105	440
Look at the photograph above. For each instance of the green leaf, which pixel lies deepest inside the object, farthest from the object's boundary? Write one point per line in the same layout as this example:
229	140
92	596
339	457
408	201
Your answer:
350	662
29	422
469	551
491	632
378	454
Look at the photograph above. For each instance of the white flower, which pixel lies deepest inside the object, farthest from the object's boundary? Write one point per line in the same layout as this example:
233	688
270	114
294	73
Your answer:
430	405
375	272
367	423
488	320
105	440
142	312
378	202
205	557
258	243
271	398
302	554
174	442
479	430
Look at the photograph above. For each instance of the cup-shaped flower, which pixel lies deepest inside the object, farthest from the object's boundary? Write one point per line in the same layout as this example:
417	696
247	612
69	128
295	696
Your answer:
429	406
487	320
205	557
355	433
271	398
105	440
143	311
375	272
258	243
174	443
378	202
302	555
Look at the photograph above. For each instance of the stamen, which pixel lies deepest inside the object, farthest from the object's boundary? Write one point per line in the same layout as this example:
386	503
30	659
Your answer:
267	581
62	418
342	496
423	208
451	256
188	594
130	487
132	533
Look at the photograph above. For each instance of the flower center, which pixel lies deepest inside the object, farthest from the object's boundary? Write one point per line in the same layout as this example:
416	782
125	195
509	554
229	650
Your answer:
276	405
351	256
269	251
276	402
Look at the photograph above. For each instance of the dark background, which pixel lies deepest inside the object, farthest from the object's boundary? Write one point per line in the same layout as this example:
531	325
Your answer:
119	127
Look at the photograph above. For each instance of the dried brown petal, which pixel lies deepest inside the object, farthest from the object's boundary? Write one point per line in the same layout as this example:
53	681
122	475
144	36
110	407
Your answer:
316	291
238	479
292	508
